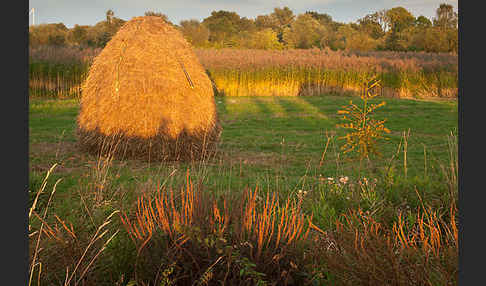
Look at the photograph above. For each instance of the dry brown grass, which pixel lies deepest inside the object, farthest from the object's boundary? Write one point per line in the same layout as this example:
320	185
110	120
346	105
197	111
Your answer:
267	224
147	95
197	228
60	253
326	59
365	252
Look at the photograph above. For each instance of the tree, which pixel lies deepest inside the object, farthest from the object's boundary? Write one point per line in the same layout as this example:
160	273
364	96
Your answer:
246	25
195	33
278	20
263	22
222	25
106	29
98	35
78	35
109	16
453	40
445	22
417	42
381	18
48	34
266	39
401	22
343	37
423	22
435	40
324	19
370	25
361	42
446	18
305	32
102	32
284	16
400	19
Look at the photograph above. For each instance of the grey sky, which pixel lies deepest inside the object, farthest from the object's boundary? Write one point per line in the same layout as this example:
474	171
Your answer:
89	12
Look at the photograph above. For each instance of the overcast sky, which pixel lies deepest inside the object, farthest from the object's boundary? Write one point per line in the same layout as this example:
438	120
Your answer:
90	12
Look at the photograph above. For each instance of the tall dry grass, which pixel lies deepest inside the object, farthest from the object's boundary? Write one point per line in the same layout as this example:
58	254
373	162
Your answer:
190	236
62	253
218	238
419	249
383	61
313	72
197	228
265	72
58	72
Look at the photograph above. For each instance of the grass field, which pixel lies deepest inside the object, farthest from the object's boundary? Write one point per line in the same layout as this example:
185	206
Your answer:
267	137
275	143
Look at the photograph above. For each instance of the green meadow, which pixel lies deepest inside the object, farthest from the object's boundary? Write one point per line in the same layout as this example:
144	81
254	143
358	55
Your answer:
266	139
289	146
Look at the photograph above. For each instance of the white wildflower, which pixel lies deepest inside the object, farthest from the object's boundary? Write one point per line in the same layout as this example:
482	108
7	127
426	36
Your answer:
344	180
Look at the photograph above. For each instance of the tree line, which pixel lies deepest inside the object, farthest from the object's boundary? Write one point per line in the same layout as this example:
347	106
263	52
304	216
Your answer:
395	29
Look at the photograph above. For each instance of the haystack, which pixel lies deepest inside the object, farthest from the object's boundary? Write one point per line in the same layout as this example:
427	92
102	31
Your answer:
147	96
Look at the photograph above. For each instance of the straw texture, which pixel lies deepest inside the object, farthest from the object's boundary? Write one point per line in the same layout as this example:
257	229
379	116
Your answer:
147	96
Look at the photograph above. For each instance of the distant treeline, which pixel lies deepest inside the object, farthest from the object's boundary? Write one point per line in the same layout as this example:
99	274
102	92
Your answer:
393	29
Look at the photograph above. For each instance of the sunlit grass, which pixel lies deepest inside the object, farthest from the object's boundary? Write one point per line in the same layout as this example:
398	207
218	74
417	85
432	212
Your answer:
285	147
263	137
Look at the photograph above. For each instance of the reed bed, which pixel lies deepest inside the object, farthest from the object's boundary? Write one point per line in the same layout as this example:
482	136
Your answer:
314	72
59	71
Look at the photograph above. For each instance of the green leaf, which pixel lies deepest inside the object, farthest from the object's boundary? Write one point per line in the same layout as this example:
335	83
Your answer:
132	283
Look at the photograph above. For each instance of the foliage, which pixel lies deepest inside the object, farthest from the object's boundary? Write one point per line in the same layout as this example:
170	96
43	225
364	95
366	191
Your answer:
400	19
267	22
223	26
394	29
364	130
195	32
422	22
47	34
324	19
361	42
343	37
78	35
370	25
266	39
305	32
446	18
435	40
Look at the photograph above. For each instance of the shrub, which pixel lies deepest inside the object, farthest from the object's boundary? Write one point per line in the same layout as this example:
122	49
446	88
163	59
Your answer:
236	241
